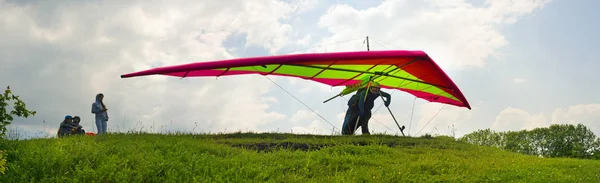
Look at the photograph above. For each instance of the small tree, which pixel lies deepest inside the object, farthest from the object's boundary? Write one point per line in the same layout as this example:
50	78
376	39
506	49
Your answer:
19	109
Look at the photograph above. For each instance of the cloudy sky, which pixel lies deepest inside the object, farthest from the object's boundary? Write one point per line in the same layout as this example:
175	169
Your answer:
521	64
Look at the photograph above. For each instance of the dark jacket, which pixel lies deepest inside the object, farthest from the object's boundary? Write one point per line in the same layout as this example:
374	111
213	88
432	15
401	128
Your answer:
357	101
65	129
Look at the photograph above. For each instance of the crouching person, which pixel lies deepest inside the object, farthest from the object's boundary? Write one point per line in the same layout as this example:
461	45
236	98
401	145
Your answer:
65	127
77	128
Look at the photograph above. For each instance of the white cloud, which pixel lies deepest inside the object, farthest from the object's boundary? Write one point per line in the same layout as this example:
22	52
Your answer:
587	114
315	127
71	51
454	33
58	56
512	119
519	80
517	119
304	5
382	122
304	41
502	11
302	116
434	118
305	121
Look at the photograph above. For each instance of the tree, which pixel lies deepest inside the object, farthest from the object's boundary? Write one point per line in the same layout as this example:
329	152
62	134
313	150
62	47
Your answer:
19	109
557	140
485	137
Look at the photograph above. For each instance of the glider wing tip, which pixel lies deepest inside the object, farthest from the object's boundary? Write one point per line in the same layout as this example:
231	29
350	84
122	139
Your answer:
125	76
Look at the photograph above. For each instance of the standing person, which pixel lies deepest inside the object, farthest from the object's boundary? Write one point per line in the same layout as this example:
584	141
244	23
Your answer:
358	106
99	109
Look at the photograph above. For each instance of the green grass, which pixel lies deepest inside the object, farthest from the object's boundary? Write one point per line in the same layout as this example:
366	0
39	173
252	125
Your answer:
242	157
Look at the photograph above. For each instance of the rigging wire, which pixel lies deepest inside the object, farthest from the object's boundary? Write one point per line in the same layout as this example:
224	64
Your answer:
413	107
373	118
411	116
379	43
298	100
293	96
334	127
432	118
343	106
397	47
383	124
320	45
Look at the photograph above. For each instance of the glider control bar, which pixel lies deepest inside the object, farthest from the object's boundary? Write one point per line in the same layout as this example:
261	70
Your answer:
401	128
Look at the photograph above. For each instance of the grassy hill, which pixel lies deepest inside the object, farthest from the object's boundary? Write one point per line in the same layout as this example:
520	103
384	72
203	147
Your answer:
248	157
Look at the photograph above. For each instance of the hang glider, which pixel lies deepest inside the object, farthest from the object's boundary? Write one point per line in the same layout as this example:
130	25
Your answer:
413	72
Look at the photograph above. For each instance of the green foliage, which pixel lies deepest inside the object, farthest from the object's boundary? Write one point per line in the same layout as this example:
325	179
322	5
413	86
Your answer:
2	162
485	137
558	140
234	158
19	109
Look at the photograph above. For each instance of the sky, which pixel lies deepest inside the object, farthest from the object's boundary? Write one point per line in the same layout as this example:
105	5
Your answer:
520	64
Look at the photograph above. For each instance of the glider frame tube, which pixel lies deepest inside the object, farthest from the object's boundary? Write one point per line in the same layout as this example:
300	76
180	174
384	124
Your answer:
375	73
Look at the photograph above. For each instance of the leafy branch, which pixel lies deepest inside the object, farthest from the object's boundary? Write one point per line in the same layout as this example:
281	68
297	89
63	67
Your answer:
19	110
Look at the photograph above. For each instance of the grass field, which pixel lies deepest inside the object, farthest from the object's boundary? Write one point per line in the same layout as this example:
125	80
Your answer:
250	157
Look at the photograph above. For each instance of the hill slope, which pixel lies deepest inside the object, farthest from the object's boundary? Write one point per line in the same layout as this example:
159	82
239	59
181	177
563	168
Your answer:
246	157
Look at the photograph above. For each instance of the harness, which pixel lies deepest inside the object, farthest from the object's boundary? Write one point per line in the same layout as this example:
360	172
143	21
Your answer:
354	98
